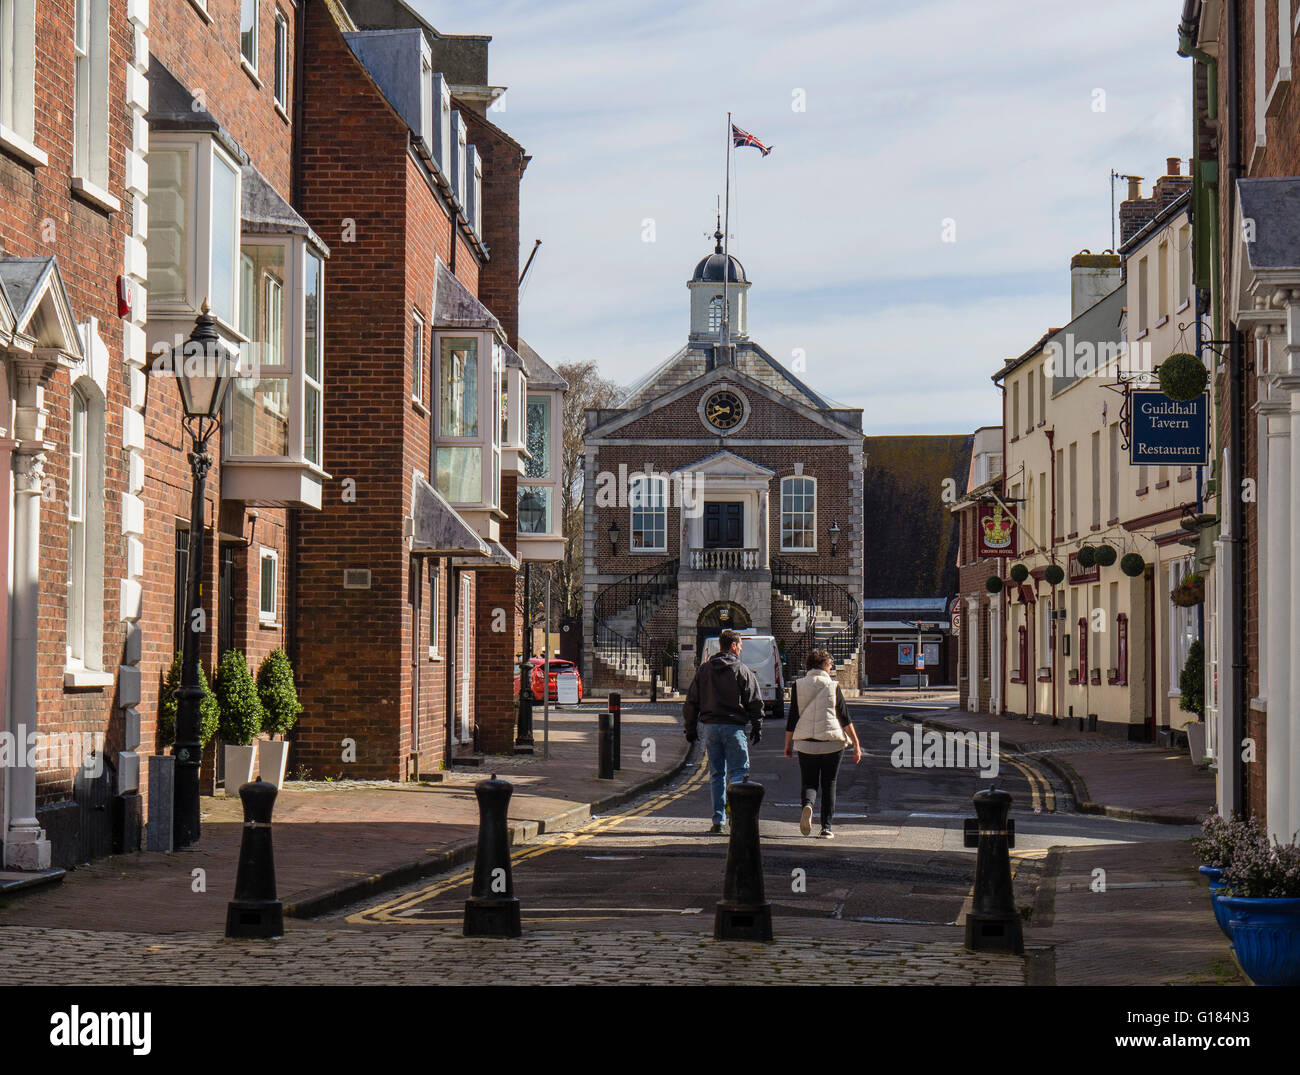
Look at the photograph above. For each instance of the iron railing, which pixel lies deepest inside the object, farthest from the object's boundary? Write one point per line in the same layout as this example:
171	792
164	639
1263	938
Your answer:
640	593
820	595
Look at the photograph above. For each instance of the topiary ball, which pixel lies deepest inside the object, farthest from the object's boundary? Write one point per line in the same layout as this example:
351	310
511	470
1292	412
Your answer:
1132	565
1183	377
1019	572
993	584
1087	556
1105	555
1054	575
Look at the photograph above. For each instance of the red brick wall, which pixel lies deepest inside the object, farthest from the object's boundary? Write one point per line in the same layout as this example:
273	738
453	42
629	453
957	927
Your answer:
40	217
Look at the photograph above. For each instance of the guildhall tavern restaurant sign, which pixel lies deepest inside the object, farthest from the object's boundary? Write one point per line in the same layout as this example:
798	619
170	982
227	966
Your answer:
1165	431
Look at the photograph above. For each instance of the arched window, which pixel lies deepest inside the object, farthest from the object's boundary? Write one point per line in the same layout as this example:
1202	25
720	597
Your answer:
85	609
798	514
715	313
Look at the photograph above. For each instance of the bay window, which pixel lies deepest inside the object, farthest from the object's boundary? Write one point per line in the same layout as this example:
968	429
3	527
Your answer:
798	514
538	486
470	431
194	223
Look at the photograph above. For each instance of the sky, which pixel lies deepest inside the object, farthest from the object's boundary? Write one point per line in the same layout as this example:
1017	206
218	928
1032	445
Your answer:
887	121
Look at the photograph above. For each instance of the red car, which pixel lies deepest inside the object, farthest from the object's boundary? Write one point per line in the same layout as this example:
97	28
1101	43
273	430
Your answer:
538	665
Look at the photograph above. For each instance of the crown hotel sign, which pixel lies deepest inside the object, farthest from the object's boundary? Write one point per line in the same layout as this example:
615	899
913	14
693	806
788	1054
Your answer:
1165	431
997	531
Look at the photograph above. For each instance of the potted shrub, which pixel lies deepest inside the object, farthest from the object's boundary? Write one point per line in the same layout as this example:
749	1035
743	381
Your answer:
209	713
280	709
1220	840
1192	685
241	717
1261	893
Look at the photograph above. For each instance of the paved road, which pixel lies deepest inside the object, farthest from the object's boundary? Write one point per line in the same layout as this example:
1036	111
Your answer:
897	860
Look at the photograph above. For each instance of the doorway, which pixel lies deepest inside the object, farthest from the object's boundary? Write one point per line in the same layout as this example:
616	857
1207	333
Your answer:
716	617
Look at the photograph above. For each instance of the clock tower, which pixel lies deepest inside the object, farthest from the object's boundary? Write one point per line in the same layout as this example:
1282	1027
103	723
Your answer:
707	289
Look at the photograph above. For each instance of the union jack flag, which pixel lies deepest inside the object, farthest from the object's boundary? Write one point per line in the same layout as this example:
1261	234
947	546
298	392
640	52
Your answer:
741	138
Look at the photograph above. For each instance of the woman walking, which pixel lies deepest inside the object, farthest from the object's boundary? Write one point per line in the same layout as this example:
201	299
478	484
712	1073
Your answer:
819	728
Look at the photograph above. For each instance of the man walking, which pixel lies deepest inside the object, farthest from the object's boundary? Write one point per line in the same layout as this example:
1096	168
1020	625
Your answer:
724	697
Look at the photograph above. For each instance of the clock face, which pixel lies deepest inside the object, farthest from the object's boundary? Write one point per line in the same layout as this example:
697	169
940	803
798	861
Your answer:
724	410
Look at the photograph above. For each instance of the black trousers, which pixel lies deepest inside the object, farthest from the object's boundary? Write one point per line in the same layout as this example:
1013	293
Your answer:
818	771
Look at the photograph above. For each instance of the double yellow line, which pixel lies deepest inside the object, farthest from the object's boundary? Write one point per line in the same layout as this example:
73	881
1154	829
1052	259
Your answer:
389	913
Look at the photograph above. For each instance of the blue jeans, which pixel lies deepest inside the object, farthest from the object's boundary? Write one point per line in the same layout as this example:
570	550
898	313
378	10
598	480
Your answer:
728	751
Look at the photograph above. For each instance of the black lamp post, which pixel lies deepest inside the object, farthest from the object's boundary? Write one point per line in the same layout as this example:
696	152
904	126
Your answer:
203	372
835	536
524	735
613	538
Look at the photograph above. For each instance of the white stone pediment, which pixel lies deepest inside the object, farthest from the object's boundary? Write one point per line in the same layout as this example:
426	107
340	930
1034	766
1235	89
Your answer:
727	466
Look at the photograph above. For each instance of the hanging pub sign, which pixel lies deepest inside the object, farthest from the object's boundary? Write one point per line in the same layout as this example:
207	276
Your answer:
1167	432
997	531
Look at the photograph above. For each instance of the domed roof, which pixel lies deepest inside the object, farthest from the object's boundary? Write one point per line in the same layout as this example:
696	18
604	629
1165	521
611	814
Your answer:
710	269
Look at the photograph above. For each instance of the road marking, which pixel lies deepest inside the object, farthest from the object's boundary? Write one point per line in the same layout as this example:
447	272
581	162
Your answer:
389	912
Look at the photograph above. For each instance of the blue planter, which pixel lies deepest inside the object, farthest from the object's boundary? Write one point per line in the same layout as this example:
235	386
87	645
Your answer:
1266	937
1220	912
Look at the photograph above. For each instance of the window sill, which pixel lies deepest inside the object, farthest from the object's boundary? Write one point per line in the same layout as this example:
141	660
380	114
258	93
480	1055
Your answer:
1095	527
95	195
283	112
419	406
797	551
1185	477
1112	522
1186	303
1045	679
1071	537
82	679
250	71
1143	333
269	625
16	145
1141	492
434	655
1014	439
1162	485
1162	322
199	6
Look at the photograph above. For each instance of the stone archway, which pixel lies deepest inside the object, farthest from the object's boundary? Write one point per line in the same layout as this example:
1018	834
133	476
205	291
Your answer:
715	618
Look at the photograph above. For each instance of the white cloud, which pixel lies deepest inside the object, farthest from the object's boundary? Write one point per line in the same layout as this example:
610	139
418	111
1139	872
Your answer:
983	113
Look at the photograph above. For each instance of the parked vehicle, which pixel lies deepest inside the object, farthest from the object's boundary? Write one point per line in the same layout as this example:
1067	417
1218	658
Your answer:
760	652
538	665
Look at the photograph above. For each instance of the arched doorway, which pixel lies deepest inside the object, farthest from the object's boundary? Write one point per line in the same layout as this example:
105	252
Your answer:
717	617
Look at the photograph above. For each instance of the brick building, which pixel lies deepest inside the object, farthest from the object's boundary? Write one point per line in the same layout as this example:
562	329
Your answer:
408	573
71	98
1246	186
976	621
723	491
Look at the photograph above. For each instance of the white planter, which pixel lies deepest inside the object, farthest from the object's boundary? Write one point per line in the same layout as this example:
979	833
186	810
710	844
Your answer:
273	756
239	767
1196	741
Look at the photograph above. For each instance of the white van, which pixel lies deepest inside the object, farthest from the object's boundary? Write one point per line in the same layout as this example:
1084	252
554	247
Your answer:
760	652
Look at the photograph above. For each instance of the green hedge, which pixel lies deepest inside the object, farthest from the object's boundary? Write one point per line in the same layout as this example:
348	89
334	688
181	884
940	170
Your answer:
241	709
209	712
277	693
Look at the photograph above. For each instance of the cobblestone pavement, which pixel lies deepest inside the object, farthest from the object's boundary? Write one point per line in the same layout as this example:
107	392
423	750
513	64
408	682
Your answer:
347	957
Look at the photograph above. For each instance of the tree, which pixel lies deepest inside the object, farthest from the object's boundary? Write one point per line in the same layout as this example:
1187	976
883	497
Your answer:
241	709
277	693
209	712
1192	682
587	390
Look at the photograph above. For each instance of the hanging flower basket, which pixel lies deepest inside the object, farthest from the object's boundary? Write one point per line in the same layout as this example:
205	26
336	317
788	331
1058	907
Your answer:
1132	564
1019	572
1183	377
1105	555
1087	556
1189	592
993	584
1054	575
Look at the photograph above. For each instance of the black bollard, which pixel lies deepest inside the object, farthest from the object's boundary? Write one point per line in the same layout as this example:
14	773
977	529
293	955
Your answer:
605	747
654	687
743	914
993	923
255	911
492	909
616	711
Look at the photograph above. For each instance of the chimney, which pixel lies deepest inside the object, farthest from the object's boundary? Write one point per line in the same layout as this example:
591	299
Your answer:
1172	164
1092	278
1135	212
1134	187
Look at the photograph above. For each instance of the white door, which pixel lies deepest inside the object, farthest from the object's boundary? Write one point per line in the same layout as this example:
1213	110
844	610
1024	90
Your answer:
463	662
973	657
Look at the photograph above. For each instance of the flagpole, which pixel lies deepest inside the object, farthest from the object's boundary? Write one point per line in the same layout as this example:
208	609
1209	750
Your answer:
726	255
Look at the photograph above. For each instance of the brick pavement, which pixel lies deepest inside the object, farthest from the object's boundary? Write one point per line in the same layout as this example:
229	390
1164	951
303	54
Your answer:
349	957
340	841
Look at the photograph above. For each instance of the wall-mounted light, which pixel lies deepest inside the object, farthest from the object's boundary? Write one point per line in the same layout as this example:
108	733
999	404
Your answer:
835	536
613	538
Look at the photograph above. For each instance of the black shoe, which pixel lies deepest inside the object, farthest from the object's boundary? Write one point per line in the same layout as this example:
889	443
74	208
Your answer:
826	833
717	829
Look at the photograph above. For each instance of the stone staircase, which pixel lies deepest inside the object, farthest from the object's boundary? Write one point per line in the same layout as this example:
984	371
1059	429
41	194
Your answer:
624	644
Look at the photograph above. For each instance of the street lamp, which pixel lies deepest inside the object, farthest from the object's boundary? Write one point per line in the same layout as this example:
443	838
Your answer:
203	372
835	536
613	538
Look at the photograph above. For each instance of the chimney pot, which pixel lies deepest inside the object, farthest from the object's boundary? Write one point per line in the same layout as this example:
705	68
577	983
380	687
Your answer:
1172	165
1134	187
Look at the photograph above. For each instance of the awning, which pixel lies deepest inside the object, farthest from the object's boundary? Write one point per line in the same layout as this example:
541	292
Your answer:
499	556
437	529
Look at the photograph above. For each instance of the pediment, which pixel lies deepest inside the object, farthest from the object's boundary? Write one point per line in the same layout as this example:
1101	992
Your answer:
34	300
726	464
